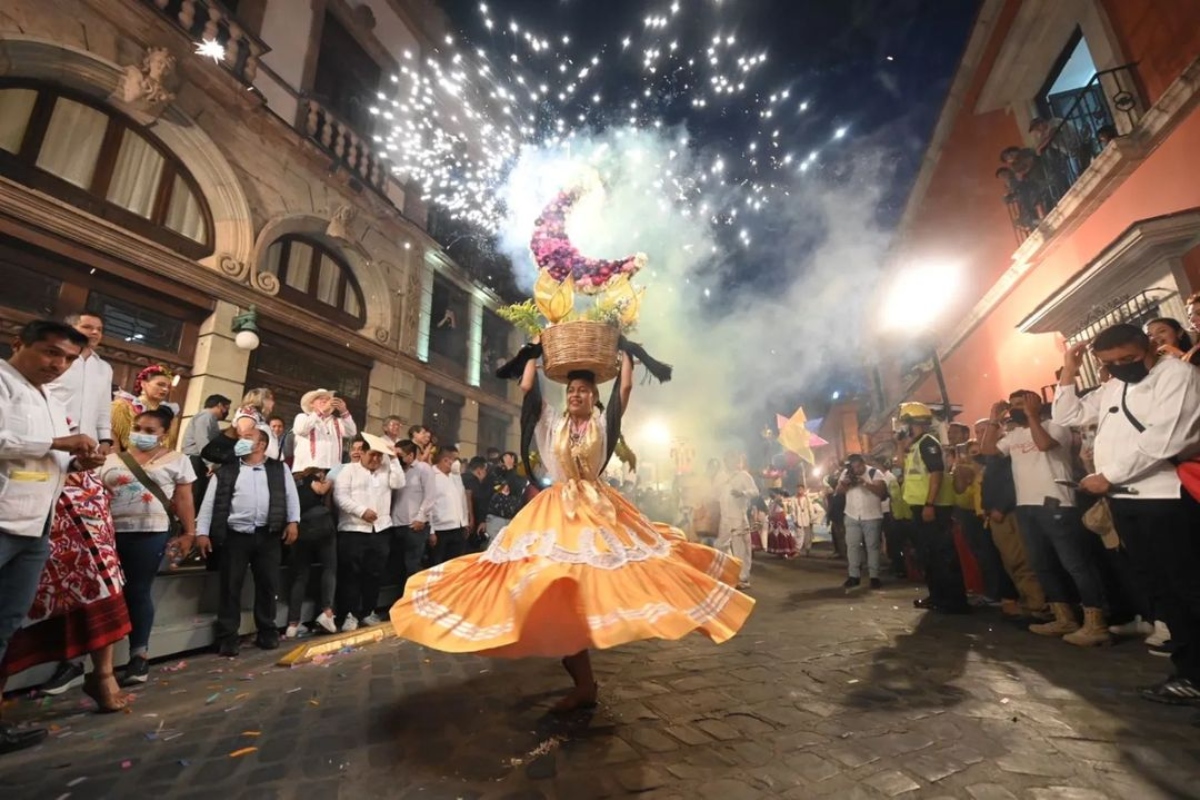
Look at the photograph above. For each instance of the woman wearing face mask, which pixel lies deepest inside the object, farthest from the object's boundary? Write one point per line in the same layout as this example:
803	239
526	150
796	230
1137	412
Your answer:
1170	339
579	567
149	485
150	391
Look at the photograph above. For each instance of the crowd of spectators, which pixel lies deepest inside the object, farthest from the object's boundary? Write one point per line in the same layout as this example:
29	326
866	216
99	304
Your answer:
96	502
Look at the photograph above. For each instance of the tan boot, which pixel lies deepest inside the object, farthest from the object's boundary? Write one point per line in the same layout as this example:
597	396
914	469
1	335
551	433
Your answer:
1094	631
1064	622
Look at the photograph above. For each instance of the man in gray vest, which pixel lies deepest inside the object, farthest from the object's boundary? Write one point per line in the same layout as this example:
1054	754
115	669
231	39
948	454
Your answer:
251	509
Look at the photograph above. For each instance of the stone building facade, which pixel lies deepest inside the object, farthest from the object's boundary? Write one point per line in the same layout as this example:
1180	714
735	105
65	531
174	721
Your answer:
170	192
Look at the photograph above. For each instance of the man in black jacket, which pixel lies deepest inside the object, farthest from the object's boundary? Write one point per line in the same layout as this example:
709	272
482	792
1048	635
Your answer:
251	509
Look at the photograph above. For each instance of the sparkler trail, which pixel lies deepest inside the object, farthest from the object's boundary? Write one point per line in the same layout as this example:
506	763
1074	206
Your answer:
457	120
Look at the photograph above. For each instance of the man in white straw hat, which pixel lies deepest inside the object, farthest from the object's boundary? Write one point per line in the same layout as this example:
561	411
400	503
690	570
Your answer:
363	495
321	428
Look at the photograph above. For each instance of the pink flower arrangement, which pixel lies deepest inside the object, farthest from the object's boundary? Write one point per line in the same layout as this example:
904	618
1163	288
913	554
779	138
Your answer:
555	253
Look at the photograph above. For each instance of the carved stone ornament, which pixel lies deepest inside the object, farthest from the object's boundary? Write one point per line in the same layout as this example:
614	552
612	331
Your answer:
339	226
242	272
142	89
382	335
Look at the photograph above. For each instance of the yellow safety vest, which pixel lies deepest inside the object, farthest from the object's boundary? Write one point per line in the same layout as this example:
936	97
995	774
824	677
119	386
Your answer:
916	479
900	509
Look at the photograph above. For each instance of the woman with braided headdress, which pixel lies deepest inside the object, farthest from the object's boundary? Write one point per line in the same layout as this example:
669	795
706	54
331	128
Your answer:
151	389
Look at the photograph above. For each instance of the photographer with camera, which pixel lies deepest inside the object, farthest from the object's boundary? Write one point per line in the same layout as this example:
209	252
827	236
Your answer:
864	489
321	430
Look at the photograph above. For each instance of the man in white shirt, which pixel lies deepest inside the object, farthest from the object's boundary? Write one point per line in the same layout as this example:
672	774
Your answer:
321	428
735	489
363	496
864	488
37	450
1148	416
448	515
85	389
411	509
250	510
1055	539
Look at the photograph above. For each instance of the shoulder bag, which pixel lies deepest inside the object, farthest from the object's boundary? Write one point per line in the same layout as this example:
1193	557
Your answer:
1188	470
153	488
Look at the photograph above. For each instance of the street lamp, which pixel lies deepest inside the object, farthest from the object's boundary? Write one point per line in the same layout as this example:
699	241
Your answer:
246	327
919	296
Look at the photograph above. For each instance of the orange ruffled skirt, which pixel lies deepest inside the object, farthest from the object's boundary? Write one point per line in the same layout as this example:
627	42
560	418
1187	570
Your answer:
554	583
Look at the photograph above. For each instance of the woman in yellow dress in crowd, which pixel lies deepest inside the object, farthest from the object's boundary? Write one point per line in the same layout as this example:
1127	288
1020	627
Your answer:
579	567
151	389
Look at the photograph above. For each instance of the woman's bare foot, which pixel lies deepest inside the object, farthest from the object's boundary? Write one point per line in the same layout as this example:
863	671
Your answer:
106	692
580	697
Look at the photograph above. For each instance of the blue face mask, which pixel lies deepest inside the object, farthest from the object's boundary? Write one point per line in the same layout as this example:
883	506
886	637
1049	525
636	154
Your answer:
143	441
243	448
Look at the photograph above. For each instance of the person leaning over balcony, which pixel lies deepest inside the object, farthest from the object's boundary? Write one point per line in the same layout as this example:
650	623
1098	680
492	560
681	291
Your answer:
1049	517
929	491
37	450
1148	417
321	430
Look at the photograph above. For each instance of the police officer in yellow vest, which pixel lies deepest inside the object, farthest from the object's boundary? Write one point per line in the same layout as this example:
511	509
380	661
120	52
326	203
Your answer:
930	492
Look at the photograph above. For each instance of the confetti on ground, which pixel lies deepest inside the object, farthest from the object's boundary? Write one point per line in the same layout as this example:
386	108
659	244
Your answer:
241	696
63	796
126	764
77	781
314	702
212	699
174	667
243	752
179	691
234	707
251	733
293	691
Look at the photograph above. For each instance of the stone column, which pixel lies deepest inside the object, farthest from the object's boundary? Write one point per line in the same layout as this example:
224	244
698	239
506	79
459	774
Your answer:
468	430
474	340
220	366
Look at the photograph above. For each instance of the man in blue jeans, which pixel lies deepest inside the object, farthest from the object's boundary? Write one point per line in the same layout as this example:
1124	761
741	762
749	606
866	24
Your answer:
37	450
1049	520
864	489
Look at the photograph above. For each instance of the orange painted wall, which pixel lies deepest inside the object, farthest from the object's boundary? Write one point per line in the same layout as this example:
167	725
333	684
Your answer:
997	358
962	218
1162	36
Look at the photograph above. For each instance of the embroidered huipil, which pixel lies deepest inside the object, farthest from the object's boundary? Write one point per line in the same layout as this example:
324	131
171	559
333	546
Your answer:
319	440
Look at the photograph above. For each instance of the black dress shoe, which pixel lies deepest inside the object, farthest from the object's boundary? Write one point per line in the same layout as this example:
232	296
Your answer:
229	647
1174	692
923	602
267	641
13	738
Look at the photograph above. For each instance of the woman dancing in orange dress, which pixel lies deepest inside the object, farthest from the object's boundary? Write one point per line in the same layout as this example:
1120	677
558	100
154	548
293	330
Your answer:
579	567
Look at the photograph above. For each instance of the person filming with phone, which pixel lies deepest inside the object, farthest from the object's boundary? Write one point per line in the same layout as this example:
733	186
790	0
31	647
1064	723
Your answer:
864	488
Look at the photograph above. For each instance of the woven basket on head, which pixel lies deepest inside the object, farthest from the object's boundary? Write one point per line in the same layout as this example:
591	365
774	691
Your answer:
582	345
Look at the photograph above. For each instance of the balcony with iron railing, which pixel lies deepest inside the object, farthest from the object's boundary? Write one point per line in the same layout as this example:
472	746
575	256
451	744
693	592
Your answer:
210	21
1037	179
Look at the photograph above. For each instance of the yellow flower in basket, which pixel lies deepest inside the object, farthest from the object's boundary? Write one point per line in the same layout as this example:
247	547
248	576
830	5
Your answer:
555	300
622	295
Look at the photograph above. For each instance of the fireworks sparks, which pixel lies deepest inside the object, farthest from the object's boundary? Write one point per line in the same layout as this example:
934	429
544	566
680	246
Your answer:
454	121
211	48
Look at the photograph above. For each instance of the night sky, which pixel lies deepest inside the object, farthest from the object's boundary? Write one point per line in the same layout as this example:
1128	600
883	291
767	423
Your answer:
877	70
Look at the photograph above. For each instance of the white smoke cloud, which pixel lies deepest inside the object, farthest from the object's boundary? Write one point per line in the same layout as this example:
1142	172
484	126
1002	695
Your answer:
736	343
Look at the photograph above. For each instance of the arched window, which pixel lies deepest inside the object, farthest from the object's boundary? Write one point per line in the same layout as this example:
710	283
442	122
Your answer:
312	275
71	146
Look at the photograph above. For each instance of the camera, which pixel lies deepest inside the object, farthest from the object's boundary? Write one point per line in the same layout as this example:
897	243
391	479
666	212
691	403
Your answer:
849	475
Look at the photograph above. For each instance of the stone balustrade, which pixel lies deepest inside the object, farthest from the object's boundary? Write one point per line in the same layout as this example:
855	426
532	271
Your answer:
208	20
348	146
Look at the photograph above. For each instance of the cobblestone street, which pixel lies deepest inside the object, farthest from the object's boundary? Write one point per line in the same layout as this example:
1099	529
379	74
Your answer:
822	695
